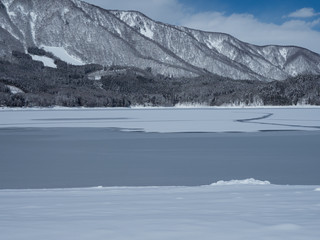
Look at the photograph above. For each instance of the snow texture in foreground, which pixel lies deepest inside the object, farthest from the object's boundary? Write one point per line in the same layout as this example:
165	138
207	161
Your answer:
206	212
249	181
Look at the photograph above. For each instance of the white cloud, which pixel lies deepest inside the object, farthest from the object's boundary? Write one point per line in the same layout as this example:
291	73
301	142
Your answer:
249	29
304	13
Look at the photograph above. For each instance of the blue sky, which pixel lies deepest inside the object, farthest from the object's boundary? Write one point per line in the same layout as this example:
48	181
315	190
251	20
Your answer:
271	11
261	22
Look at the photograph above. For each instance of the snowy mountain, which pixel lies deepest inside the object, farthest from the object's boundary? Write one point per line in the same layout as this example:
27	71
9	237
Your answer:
80	33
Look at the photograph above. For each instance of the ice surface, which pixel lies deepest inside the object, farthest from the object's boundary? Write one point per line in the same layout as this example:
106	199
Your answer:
169	119
83	157
48	62
61	53
228	210
207	212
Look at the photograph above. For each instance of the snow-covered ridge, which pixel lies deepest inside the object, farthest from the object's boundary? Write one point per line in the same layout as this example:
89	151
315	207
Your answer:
142	24
249	181
83	33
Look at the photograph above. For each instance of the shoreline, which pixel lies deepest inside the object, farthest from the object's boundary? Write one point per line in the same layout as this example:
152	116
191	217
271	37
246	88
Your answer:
162	107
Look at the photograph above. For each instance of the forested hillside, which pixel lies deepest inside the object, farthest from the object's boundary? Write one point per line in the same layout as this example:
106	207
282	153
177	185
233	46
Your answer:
73	86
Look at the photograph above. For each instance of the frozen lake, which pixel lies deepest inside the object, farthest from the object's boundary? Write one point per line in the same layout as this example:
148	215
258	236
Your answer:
85	148
168	120
64	149
86	157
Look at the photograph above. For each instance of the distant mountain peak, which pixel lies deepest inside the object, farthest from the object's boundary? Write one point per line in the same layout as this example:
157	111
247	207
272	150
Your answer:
128	38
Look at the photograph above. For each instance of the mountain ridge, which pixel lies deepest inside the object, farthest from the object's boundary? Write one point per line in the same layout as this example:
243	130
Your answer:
132	39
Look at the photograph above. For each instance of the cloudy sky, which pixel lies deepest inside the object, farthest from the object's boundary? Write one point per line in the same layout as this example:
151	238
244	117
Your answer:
262	22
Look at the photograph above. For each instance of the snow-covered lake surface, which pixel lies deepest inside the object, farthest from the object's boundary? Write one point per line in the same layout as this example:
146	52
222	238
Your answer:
179	150
168	119
227	212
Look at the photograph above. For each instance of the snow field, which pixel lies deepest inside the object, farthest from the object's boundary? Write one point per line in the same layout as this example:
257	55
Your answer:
61	53
232	211
48	62
14	90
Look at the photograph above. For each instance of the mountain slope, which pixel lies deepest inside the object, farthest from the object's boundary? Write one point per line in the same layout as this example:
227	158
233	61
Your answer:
220	53
90	34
